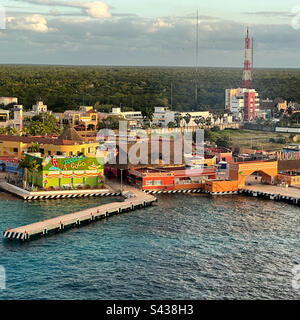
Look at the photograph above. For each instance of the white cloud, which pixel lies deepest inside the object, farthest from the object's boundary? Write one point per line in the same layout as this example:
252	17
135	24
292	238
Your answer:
161	23
94	9
36	23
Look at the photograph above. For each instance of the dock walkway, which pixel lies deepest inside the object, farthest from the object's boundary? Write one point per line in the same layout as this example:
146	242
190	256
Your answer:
34	230
59	194
290	194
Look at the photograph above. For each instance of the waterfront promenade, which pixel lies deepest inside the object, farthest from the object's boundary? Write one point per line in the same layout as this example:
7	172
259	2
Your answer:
138	199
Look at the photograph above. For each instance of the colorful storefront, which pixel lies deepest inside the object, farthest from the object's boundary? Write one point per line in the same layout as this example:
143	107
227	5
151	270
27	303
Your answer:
8	164
292	179
173	179
64	173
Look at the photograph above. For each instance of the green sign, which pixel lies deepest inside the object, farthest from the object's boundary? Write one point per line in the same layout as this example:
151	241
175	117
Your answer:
72	163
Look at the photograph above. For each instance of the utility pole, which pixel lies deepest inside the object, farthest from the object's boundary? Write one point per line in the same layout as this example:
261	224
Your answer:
121	180
171	95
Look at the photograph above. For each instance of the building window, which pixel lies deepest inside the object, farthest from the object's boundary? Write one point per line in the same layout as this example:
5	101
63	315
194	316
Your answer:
49	153
70	153
157	182
223	159
149	183
58	153
15	149
91	150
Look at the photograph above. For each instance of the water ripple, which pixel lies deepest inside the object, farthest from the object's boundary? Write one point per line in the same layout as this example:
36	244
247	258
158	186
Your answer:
187	247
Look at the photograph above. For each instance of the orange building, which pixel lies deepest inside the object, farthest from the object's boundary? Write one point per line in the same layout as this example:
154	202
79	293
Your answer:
221	153
169	178
239	171
221	186
282	105
288	179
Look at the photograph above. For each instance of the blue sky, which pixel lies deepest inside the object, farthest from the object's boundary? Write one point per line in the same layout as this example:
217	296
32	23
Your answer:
149	32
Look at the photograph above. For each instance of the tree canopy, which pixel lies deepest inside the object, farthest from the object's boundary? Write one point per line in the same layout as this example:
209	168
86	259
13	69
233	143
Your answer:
138	88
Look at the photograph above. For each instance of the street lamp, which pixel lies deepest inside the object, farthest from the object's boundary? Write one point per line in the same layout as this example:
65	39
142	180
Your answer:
121	180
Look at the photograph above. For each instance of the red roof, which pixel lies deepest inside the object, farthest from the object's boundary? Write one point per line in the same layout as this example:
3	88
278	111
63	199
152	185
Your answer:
209	156
91	111
218	149
40	140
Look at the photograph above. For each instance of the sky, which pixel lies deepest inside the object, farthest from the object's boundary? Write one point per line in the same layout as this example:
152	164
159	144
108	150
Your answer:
149	32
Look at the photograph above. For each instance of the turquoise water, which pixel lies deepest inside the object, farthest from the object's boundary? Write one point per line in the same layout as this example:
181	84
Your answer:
186	247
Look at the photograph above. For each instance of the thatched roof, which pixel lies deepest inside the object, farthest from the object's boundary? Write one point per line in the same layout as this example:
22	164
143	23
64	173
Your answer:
71	134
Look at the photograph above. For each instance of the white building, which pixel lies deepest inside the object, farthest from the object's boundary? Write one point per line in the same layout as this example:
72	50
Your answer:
162	116
39	107
134	118
18	117
4	118
159	116
236	103
7	100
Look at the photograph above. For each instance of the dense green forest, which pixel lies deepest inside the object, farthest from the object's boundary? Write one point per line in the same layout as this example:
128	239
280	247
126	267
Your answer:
65	87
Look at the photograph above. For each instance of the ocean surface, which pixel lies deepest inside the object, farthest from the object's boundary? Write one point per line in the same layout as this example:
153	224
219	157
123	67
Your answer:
185	247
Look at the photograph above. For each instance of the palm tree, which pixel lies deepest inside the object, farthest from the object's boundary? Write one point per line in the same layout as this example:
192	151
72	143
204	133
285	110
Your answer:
178	118
35	147
147	114
208	121
187	118
215	117
197	120
202	120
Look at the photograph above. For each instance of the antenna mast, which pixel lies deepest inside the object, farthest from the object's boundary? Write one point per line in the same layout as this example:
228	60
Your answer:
252	58
197	53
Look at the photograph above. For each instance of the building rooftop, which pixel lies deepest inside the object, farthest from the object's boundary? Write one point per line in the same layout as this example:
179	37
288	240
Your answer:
39	140
71	134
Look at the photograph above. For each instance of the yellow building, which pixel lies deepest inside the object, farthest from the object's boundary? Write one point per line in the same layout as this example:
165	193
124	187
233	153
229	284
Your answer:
210	160
85	119
282	106
69	143
229	94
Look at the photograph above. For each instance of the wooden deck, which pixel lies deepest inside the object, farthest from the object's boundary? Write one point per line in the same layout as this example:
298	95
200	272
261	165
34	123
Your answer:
61	223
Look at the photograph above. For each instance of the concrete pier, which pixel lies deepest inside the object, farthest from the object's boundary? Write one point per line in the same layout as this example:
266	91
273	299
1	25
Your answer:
59	194
290	195
61	223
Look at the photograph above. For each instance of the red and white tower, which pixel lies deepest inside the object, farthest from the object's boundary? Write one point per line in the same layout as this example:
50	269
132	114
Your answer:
247	75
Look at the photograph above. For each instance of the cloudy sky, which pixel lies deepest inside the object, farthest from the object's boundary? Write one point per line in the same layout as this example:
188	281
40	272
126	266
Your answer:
149	32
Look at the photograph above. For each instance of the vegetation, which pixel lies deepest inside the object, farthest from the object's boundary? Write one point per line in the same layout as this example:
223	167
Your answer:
3	131
42	124
137	88
28	164
35	147
9	131
111	122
